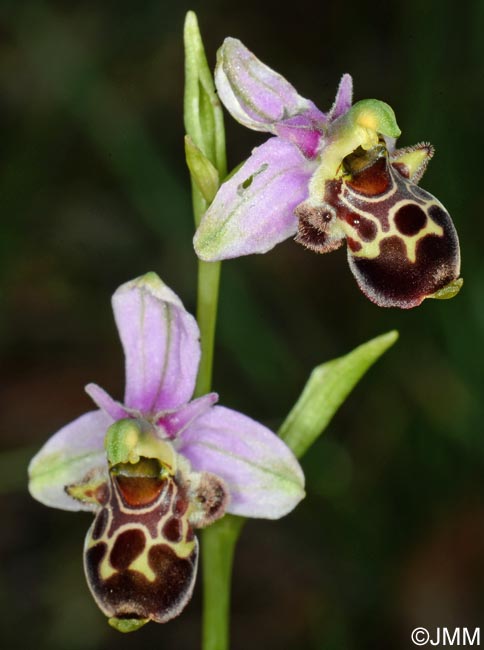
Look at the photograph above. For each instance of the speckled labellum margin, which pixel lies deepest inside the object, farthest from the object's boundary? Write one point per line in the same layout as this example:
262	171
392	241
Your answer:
401	242
141	554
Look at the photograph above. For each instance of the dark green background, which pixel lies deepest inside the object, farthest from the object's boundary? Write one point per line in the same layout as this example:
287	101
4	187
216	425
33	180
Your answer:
93	192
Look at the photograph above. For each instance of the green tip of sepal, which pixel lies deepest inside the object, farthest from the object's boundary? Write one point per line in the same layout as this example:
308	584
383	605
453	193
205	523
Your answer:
376	116
127	624
449	291
191	30
149	280
190	18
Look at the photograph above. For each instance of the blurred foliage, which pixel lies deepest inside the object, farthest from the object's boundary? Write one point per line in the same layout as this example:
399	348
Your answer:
94	192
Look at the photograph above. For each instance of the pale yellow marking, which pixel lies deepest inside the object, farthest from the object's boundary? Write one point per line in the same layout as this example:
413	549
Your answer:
132	437
141	564
79	491
430	228
370	139
367	119
415	159
371	250
183	548
106	570
133	457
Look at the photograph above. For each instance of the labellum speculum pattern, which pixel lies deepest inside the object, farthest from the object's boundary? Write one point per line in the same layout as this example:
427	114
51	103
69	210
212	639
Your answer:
159	465
141	553
402	244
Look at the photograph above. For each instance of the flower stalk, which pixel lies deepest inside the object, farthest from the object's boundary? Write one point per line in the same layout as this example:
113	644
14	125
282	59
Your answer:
205	154
204	126
218	549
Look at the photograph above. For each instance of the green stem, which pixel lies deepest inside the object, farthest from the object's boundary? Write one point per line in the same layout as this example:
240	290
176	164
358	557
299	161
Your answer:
217	554
207	300
204	125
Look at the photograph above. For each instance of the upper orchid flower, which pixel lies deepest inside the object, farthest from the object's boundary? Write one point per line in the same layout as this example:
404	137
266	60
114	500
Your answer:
327	178
159	465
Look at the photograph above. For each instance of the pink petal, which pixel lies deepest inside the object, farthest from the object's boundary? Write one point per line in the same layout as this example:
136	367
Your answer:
303	130
161	345
176	421
254	94
344	98
254	210
72	455
262	474
105	402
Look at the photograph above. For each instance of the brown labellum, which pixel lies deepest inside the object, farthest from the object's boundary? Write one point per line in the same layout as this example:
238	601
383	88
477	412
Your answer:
402	244
141	554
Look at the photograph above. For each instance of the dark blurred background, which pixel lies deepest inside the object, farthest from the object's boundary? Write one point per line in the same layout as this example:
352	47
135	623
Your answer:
94	191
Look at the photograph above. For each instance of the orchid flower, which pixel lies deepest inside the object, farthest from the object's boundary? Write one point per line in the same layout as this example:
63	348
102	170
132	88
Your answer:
329	178
159	465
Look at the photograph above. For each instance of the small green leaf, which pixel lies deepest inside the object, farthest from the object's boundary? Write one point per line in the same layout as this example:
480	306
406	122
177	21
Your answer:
202	171
202	110
326	389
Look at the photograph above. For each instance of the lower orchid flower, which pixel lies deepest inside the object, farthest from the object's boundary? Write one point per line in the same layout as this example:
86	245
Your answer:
158	466
329	178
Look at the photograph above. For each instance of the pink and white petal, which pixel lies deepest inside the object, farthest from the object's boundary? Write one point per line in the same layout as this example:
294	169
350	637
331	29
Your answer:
175	422
254	210
262	474
73	455
105	402
344	98
161	345
254	94
304	130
